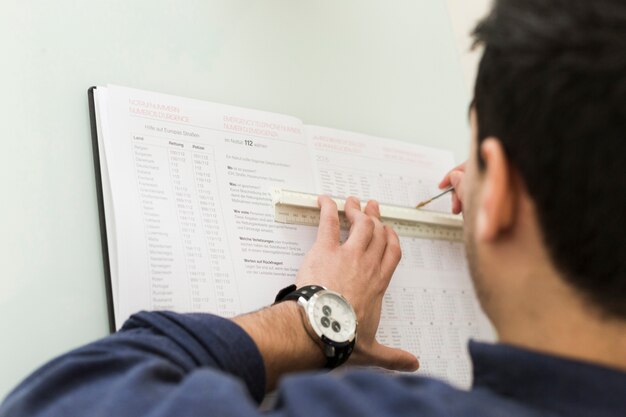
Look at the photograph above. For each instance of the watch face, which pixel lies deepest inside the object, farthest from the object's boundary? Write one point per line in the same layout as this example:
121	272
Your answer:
332	316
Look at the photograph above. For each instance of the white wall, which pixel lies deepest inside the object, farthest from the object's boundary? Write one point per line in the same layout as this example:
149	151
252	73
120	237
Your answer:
464	14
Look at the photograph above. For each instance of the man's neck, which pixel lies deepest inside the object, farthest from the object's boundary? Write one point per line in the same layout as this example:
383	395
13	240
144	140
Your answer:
572	336
533	306
549	316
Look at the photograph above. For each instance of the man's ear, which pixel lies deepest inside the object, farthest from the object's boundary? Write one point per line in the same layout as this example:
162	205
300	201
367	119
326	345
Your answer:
496	202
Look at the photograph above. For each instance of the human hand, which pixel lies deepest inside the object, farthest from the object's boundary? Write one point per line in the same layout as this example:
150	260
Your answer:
360	269
454	179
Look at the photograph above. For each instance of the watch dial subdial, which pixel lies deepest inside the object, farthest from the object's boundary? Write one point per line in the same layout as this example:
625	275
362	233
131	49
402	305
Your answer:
333	317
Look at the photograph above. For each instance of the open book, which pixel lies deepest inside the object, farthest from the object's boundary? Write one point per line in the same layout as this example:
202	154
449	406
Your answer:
188	222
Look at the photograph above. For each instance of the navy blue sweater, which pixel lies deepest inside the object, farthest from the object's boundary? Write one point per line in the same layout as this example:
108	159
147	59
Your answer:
184	365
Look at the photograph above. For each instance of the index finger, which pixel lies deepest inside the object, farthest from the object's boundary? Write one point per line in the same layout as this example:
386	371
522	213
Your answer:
361	225
328	230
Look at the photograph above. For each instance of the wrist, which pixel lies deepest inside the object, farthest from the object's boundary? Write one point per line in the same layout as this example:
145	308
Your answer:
281	336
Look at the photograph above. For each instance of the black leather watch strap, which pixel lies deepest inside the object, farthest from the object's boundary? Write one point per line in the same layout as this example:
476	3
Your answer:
284	292
342	353
291	293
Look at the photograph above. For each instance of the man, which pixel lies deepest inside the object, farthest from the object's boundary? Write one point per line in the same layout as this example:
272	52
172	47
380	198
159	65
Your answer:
543	194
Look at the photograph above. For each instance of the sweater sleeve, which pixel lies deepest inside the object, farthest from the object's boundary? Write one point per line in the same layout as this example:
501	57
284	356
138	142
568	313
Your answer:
163	364
158	364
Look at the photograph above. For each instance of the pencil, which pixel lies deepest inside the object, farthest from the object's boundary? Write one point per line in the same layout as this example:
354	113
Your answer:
425	202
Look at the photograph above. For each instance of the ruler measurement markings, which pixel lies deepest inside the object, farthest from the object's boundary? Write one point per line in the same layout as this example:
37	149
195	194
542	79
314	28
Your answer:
293	207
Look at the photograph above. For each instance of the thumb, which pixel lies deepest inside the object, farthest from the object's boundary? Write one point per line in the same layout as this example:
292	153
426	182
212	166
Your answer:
392	358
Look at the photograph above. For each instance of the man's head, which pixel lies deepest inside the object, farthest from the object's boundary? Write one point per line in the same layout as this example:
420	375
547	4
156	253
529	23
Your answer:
547	173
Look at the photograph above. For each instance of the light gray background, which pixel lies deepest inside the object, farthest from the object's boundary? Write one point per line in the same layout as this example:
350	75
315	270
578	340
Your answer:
386	68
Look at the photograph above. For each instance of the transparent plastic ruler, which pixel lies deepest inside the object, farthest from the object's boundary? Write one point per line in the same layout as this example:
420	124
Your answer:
293	207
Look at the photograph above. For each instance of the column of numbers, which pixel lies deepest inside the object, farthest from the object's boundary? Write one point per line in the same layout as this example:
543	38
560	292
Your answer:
215	236
194	246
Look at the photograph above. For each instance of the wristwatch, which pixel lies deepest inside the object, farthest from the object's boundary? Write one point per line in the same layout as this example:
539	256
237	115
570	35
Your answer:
331	320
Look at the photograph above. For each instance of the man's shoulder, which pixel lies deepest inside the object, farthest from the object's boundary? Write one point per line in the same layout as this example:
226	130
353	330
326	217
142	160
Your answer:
373	393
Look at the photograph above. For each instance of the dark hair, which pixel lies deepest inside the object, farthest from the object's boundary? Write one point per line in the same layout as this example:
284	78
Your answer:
551	86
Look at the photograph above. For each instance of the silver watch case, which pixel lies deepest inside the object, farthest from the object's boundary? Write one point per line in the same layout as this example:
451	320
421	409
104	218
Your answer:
329	344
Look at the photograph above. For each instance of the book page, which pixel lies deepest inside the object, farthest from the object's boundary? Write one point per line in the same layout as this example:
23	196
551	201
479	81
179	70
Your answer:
190	186
430	308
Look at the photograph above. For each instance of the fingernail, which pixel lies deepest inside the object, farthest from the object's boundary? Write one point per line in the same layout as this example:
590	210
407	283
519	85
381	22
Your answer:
413	367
